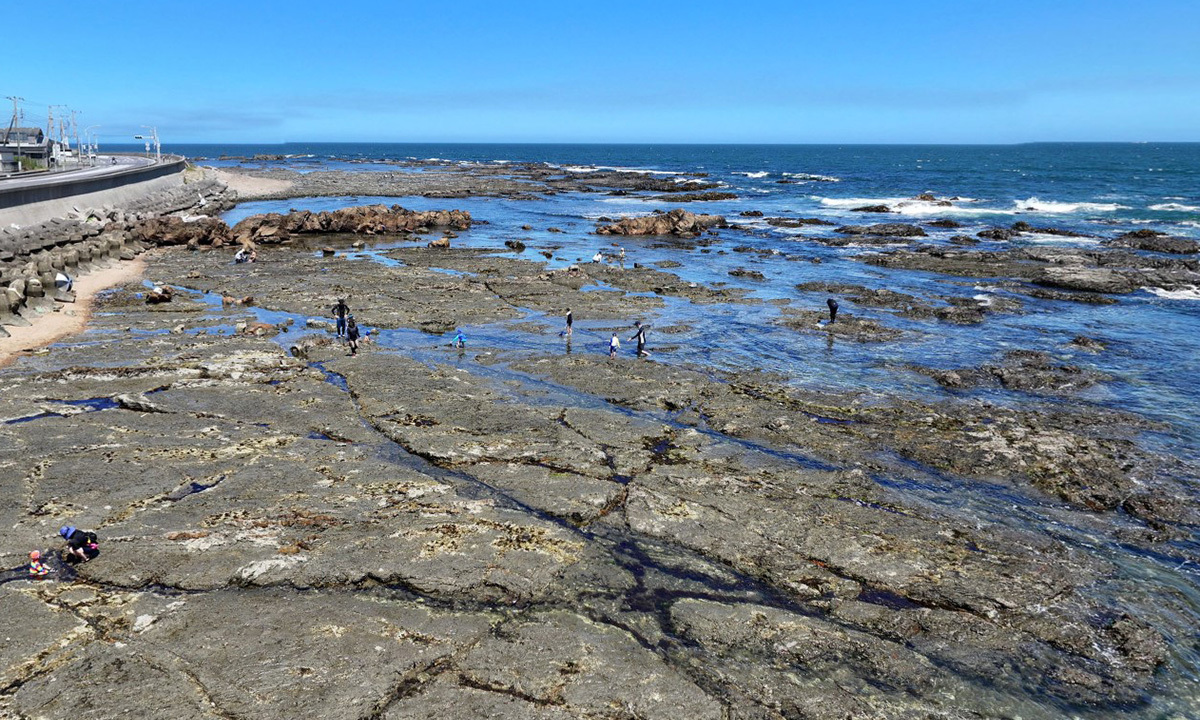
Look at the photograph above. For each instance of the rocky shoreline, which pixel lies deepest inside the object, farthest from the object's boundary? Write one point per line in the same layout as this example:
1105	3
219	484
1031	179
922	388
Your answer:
533	534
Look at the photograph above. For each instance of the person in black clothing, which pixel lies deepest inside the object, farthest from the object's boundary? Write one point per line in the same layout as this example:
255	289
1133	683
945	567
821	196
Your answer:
340	311
570	322
352	335
82	545
833	308
640	336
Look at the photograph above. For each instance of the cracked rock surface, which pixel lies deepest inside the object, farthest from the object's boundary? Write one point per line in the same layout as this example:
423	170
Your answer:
414	534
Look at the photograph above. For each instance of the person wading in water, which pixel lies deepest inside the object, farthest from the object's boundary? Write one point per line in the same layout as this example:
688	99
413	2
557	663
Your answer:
352	335
640	336
341	311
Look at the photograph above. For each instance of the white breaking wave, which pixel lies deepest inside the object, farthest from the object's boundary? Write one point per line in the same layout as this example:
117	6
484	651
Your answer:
1175	207
813	177
1050	207
850	203
1191	293
1051	239
614	168
909	206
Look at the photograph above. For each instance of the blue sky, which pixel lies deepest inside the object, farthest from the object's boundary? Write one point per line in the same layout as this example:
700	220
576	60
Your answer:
616	71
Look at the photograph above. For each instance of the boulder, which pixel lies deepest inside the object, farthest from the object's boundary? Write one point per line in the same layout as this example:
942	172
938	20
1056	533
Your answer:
678	222
1155	242
275	228
258	329
160	295
172	230
796	222
1000	234
137	403
1091	279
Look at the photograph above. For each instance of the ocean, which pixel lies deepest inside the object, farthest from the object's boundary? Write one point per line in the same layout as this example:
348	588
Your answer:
1099	191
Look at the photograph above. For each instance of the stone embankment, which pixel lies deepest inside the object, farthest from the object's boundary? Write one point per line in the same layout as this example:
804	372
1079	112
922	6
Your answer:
32	258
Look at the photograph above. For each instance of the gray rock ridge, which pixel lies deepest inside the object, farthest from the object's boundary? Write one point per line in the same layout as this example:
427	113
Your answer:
1090	271
535	537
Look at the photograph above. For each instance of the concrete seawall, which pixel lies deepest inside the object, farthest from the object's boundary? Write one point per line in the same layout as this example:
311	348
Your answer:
32	257
24	206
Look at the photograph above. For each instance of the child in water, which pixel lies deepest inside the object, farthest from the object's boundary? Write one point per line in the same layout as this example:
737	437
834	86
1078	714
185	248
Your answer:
460	340
614	344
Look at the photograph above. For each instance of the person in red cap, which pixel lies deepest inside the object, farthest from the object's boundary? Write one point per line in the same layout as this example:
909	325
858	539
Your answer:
37	568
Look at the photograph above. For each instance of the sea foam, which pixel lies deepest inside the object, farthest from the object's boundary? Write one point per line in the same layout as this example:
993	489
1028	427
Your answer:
812	177
1175	207
910	206
1190	293
1051	207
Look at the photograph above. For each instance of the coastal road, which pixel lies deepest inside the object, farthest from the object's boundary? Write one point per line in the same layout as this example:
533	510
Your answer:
105	164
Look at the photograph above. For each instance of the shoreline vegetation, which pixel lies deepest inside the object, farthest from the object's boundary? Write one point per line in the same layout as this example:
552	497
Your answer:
423	530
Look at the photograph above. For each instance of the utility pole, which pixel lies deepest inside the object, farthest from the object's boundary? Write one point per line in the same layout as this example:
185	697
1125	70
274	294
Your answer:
15	123
75	132
153	138
61	138
16	113
50	149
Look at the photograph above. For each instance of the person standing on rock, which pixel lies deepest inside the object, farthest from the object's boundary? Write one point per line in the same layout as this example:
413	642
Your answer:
352	334
614	344
833	308
340	311
640	336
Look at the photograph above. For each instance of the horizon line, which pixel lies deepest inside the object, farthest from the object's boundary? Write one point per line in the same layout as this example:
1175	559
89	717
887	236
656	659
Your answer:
643	143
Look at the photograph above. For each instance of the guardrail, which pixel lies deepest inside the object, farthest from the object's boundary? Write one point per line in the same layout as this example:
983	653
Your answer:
25	173
66	186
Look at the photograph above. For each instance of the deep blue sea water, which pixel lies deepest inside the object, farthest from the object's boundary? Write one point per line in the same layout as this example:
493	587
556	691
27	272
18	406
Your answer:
1094	181
1103	190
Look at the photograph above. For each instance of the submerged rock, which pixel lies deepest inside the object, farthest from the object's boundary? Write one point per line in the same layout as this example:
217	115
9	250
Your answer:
883	229
1023	370
1155	241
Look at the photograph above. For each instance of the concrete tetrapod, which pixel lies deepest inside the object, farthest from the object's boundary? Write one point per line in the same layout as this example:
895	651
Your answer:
35	295
14	300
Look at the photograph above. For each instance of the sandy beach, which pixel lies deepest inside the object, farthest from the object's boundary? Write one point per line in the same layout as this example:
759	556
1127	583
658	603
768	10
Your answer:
71	318
249	186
